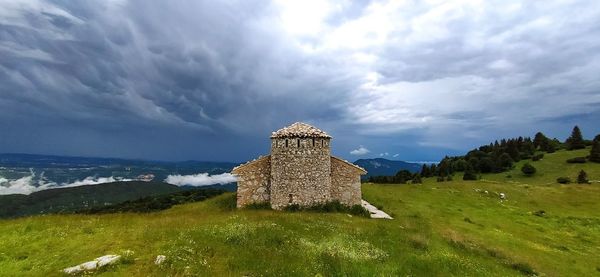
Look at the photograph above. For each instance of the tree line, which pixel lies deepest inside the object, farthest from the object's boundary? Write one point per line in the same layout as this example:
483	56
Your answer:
499	156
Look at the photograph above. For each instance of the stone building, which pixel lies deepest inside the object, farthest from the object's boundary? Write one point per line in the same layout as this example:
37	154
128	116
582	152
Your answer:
299	170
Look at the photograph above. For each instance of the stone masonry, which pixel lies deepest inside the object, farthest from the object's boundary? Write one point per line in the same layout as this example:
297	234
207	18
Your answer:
300	170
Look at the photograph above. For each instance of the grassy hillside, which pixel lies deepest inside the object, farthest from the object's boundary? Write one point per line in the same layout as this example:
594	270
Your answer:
440	229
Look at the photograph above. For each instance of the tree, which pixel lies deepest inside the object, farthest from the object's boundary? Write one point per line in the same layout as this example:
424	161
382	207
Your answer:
575	141
540	140
505	161
469	174
460	165
486	165
403	176
417	179
595	152
444	168
582	177
528	169
425	170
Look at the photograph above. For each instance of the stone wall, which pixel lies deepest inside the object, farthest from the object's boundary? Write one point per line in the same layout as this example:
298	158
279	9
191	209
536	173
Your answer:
300	171
254	182
345	182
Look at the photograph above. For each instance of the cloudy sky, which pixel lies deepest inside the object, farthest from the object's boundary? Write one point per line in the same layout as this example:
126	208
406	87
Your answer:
209	80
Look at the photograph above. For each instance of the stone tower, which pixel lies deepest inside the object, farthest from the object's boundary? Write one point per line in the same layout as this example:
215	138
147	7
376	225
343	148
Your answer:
300	170
300	166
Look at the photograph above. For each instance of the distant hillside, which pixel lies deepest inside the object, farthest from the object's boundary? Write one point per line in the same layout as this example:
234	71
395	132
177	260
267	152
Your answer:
63	169
385	167
71	199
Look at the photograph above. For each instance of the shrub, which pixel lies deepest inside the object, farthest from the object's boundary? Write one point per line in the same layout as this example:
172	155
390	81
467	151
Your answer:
330	207
528	169
359	210
582	178
563	180
469	175
449	178
537	157
259	206
417	179
577	160
440	179
292	208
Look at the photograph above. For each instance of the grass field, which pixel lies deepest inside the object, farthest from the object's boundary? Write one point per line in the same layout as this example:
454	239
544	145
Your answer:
440	229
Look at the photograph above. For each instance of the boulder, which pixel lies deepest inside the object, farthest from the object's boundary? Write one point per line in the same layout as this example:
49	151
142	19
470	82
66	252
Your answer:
92	265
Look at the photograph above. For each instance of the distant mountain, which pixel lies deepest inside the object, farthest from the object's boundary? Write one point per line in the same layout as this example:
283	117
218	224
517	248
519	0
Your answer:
385	167
70	199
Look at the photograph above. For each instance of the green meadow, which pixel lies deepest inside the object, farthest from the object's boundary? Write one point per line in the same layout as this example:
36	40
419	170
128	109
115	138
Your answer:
455	228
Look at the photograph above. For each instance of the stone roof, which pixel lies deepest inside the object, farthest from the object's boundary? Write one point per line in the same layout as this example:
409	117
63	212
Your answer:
362	170
300	129
239	167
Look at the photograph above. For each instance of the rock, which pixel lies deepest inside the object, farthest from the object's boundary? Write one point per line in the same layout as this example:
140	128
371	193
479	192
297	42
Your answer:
160	259
486	192
502	195
375	213
92	265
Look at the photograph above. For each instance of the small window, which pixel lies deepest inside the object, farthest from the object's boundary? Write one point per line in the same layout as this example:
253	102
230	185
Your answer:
298	143
313	142
286	143
291	196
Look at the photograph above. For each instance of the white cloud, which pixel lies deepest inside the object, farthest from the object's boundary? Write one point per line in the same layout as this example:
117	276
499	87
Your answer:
396	155
27	184
385	154
201	179
19	186
360	151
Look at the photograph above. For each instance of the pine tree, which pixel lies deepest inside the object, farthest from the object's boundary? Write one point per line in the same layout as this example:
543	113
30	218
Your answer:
469	174
417	179
540	140
425	170
595	152
582	177
505	161
575	141
432	170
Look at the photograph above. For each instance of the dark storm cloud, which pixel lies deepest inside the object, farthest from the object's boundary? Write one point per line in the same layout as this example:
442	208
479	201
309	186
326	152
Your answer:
211	79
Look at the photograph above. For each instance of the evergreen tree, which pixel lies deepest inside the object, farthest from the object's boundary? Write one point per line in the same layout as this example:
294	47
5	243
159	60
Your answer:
469	174
505	161
425	170
575	141
460	165
432	170
540	140
403	176
513	151
595	152
417	179
486	165
528	169
582	178
444	168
